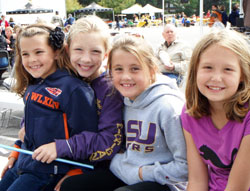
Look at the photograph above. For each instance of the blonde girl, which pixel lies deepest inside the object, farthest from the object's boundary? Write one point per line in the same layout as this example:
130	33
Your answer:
216	118
88	45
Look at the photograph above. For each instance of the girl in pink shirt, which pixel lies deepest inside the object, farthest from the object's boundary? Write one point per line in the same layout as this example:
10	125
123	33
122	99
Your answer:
216	117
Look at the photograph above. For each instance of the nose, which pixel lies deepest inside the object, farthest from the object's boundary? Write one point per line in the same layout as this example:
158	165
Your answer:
32	58
85	57
126	75
216	76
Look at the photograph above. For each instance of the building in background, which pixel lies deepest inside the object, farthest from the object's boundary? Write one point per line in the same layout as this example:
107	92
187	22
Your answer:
29	18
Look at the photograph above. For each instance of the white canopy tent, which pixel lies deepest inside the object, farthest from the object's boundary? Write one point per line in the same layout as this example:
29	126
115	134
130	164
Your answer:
134	9
30	14
150	9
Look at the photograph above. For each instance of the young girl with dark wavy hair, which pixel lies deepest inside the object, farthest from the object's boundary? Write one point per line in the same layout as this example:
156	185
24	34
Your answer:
57	104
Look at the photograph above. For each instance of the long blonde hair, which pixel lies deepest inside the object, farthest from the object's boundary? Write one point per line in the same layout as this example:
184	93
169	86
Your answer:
23	78
90	24
238	105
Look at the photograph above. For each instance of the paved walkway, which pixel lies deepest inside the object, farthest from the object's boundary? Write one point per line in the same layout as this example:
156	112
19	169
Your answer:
8	131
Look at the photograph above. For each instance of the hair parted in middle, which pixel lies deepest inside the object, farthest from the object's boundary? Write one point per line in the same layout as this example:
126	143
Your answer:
237	107
55	39
140	49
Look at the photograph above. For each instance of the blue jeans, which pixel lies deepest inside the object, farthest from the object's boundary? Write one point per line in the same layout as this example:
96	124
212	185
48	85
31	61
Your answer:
10	176
177	77
13	181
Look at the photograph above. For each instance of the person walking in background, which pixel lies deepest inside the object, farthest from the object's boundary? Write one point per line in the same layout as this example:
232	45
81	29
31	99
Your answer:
217	23
135	19
233	16
208	13
173	54
215	12
224	15
155	154
70	20
3	24
57	20
45	79
216	117
117	22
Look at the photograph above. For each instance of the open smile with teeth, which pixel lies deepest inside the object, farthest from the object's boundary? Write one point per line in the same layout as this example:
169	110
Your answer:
215	88
127	85
36	66
84	67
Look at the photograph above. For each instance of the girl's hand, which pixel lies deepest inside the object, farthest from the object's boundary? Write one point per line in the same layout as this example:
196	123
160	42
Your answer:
58	186
21	134
140	173
45	153
9	165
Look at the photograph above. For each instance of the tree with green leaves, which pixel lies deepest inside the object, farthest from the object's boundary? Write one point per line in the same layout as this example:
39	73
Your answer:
85	3
156	3
117	5
72	5
190	8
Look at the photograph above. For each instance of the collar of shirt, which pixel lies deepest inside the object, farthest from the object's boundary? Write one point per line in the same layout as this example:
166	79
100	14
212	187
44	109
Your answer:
168	45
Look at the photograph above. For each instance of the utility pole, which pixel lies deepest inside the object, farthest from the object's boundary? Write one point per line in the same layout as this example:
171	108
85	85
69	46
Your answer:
163	7
201	17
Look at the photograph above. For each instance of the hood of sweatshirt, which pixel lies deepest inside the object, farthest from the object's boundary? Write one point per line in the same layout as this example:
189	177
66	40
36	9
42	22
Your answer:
163	86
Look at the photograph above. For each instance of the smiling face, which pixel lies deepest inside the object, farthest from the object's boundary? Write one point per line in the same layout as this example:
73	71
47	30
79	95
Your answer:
129	77
219	74
87	51
38	58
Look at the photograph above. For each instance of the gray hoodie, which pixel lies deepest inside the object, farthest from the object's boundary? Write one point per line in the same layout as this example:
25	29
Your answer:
154	137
